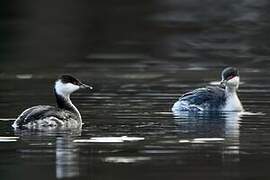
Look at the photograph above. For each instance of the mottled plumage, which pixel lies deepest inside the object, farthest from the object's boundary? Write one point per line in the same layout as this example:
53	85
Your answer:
210	98
46	116
65	115
213	98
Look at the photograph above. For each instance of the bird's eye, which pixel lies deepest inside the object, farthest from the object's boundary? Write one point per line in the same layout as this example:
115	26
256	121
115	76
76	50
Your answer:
230	77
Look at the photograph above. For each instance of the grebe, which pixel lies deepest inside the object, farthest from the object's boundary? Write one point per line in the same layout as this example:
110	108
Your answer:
213	98
65	115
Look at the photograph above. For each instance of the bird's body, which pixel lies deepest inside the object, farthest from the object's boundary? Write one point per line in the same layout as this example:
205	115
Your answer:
212	98
65	115
208	98
41	116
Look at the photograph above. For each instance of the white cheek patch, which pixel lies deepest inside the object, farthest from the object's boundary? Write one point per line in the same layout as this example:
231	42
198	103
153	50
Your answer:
65	89
71	87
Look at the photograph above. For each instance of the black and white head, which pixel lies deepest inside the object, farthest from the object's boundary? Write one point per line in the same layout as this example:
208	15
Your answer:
230	77
67	84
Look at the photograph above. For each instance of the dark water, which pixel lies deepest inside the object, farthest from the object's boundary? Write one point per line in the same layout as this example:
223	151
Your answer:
140	57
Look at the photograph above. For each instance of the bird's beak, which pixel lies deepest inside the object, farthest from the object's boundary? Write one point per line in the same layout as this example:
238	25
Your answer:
84	86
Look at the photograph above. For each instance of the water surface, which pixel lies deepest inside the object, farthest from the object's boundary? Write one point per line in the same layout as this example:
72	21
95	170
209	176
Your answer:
140	57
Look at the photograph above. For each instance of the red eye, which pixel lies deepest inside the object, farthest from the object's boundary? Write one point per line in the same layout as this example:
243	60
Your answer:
230	77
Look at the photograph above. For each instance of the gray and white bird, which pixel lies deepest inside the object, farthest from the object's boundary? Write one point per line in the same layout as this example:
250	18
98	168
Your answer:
65	115
213	98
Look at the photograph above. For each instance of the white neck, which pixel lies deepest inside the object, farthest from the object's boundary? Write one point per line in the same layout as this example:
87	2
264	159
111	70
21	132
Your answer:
232	101
230	90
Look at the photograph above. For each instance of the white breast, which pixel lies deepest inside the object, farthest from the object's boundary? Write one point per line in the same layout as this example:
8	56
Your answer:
233	103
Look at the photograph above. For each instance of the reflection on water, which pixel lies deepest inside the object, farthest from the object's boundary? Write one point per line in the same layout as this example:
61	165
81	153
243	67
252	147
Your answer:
220	127
67	158
8	139
126	159
109	139
129	124
140	57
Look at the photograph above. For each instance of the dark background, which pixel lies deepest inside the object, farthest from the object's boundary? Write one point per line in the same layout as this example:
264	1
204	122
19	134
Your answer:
140	56
49	34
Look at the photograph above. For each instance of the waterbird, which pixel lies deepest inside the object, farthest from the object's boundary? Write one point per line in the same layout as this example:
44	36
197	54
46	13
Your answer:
64	115
213	98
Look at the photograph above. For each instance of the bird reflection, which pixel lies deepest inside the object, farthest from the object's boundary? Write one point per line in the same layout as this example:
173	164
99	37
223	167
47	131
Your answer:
210	126
55	148
67	158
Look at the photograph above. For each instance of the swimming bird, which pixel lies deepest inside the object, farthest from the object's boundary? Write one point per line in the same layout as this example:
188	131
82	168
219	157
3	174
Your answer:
65	115
213	98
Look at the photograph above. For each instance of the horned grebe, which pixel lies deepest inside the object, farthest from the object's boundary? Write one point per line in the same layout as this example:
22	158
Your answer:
213	98
65	115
